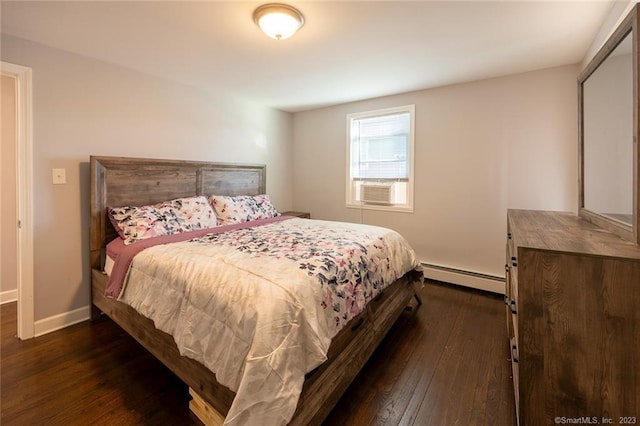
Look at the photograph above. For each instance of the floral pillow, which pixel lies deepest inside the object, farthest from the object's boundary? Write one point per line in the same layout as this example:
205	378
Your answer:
242	208
171	217
193	213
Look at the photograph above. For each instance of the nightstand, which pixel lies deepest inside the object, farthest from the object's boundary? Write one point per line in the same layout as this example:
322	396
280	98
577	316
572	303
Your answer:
303	215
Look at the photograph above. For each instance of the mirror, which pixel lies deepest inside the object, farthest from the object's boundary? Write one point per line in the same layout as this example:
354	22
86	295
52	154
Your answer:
608	136
608	104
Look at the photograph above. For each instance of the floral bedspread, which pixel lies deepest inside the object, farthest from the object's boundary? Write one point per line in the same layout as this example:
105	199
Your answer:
259	305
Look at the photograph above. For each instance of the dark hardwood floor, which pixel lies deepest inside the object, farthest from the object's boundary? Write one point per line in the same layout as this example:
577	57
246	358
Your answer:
445	364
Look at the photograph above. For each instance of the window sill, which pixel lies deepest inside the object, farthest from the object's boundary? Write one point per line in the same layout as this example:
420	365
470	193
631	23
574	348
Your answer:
397	209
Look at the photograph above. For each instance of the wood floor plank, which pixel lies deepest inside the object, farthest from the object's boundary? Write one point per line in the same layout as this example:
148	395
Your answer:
445	363
411	361
89	373
452	302
459	390
373	385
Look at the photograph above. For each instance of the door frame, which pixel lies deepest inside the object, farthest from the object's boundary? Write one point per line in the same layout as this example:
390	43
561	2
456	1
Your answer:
24	178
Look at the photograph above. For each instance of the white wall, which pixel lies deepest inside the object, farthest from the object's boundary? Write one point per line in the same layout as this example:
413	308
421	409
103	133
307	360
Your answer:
84	107
481	147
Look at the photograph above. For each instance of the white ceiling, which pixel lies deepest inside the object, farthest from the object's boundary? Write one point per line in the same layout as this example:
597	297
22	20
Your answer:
346	51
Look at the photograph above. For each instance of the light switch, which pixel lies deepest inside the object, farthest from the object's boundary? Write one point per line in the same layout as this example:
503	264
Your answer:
59	176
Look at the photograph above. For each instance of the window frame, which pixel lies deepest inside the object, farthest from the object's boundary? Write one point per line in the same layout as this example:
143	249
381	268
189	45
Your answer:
350	193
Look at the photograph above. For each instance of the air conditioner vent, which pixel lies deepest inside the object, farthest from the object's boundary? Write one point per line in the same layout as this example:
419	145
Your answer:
376	193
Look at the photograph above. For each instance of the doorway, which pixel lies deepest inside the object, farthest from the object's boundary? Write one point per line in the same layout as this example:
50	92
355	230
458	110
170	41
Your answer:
8	192
23	221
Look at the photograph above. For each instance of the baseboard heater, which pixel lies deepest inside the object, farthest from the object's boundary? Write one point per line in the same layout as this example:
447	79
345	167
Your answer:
466	278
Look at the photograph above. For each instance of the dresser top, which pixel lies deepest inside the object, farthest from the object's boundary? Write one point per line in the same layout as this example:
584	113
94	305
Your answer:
566	232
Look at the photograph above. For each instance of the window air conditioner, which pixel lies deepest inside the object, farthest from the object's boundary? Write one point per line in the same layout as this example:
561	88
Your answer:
376	193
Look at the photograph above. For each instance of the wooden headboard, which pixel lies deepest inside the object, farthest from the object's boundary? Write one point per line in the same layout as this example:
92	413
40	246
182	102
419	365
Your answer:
122	181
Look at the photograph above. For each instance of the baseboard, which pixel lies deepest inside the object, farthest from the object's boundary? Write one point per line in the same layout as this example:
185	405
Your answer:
8	296
466	278
57	322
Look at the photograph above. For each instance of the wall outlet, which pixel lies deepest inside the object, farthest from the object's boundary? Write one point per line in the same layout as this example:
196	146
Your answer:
59	176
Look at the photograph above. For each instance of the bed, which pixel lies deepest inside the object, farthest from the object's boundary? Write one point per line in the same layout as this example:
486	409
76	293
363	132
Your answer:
119	181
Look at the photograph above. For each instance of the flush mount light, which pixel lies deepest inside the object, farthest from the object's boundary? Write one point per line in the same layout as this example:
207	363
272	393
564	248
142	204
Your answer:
278	21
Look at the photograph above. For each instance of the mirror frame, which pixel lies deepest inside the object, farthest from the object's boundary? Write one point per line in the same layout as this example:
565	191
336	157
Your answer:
628	26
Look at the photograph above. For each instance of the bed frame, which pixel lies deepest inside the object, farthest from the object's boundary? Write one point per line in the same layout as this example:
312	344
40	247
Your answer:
118	181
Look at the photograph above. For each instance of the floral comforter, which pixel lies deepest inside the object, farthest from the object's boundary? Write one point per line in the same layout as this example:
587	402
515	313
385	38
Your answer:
259	305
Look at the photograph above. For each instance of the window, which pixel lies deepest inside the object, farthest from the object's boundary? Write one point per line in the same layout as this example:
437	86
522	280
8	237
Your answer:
380	159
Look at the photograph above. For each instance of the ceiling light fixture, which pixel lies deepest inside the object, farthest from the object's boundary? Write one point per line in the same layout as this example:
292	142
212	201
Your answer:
278	21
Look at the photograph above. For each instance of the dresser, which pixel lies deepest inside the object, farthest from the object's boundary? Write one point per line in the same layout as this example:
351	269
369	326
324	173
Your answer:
573	320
